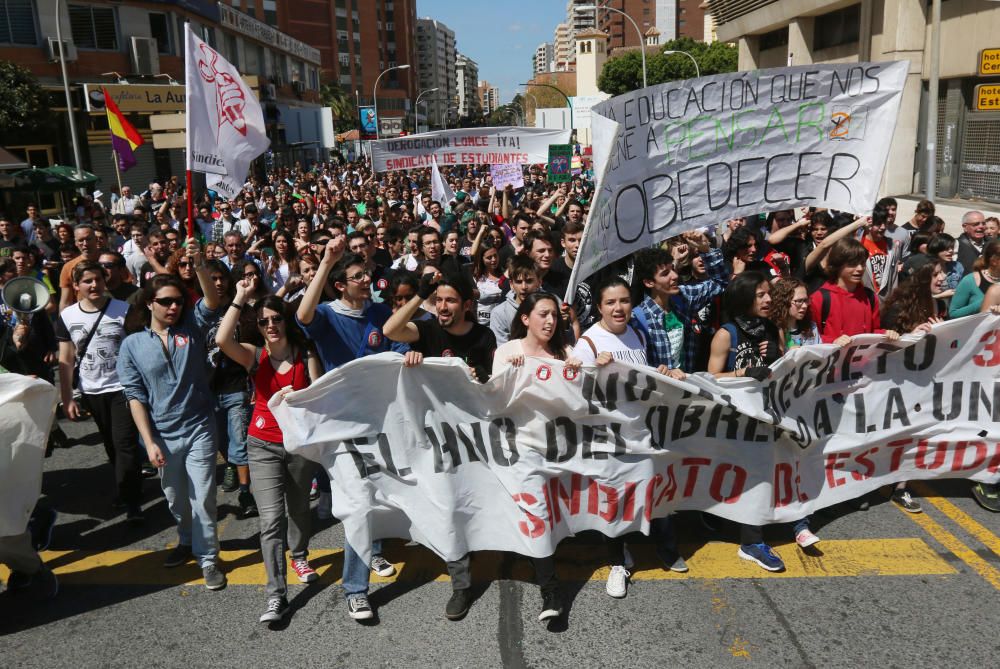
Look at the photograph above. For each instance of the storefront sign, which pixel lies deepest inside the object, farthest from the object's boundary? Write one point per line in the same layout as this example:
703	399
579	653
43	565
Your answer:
988	97
251	27
989	62
136	97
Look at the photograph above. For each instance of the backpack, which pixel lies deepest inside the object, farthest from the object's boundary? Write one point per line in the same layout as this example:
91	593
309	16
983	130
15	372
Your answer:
825	307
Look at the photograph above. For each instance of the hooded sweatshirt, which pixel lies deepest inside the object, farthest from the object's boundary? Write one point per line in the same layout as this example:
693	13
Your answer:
851	313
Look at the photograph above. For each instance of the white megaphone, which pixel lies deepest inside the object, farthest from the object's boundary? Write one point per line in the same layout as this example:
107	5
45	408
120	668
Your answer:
25	296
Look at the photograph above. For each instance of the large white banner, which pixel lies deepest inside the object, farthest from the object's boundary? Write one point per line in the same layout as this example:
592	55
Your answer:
27	409
540	453
467	146
225	124
687	154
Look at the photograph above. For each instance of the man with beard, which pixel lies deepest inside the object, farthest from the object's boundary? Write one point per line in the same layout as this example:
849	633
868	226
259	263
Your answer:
451	334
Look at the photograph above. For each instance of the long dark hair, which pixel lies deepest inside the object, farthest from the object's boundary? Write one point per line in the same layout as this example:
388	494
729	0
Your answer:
295	336
741	293
912	300
139	317
479	265
518	330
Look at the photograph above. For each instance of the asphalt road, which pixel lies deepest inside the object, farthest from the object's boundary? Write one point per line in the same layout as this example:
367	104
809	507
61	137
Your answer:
885	588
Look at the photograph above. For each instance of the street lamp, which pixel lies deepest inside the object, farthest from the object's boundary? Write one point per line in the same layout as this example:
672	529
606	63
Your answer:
642	43
697	70
375	95
529	95
69	99
416	107
569	103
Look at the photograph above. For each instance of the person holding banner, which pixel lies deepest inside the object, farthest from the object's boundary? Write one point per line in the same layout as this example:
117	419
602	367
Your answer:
280	480
162	369
538	331
617	337
451	334
350	327
744	347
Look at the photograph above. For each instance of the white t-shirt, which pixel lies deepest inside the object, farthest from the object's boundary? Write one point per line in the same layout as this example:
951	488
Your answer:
98	373
490	295
627	347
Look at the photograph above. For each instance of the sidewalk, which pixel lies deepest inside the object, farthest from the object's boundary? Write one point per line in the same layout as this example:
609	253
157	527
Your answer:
950	210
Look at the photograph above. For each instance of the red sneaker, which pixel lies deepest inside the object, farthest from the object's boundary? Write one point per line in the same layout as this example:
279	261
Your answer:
302	569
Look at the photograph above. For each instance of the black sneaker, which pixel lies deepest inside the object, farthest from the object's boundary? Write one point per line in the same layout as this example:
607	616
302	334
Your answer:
41	524
214	578
43	584
277	608
458	605
552	606
231	480
359	608
905	501
180	555
988	496
248	505
134	515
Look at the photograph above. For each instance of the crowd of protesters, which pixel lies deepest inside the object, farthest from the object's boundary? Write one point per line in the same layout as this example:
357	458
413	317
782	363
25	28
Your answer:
177	342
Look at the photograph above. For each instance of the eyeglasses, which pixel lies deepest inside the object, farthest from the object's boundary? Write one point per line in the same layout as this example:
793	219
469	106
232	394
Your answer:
270	320
169	301
360	276
804	300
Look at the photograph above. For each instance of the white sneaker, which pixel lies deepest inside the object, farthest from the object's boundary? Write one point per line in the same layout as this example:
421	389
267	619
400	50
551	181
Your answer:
382	567
617	582
805	538
324	507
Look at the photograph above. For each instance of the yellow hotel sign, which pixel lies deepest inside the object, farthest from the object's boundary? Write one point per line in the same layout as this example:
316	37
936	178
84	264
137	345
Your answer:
988	97
989	62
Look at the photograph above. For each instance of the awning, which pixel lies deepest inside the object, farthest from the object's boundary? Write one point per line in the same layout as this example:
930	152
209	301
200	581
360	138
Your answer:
8	161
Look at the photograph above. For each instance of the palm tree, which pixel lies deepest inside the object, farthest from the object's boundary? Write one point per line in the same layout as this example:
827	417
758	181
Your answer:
341	106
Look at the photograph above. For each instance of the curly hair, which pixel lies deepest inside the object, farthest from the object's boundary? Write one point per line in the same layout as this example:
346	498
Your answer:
782	292
912	301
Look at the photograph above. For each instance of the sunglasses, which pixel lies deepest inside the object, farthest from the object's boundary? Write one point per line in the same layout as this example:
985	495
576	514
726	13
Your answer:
169	301
360	276
184	263
270	320
109	265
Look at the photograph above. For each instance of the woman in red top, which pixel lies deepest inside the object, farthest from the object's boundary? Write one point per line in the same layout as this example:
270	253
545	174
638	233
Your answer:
280	480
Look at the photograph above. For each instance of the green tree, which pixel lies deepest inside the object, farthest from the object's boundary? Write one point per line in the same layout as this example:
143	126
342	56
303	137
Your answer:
25	111
342	107
624	73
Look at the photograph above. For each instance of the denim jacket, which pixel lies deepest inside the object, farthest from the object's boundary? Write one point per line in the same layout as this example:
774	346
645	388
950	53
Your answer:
173	384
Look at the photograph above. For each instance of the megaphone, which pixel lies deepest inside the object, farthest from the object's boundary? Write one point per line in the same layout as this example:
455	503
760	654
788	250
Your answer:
26	295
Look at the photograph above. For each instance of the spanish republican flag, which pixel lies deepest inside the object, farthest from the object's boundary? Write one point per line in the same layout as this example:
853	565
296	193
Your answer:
125	139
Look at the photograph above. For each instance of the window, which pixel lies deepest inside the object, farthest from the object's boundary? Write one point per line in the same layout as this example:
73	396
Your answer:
94	27
17	23
159	29
836	28
774	39
345	59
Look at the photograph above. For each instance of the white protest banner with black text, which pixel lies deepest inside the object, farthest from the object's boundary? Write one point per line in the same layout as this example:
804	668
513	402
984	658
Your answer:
467	146
504	175
542	452
687	154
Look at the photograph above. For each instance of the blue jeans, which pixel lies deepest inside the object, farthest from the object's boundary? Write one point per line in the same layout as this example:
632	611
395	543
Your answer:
188	481
356	571
231	414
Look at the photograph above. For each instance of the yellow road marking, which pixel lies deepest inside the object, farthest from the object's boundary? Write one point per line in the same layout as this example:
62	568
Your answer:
955	545
840	558
961	518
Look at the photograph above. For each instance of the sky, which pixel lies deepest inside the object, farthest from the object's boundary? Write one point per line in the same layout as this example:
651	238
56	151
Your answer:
500	35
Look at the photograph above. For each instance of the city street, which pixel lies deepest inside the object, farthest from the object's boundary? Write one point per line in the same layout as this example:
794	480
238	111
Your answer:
885	588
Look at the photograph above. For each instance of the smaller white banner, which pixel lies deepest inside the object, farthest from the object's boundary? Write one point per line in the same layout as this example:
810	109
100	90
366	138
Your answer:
467	146
504	175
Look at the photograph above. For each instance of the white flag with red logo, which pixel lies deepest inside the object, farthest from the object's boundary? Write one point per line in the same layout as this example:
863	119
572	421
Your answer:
225	124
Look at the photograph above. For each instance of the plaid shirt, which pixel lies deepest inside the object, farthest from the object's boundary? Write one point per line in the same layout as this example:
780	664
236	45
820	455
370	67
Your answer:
686	305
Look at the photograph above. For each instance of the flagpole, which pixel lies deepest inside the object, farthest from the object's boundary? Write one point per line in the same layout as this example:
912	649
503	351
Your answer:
118	174
187	132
